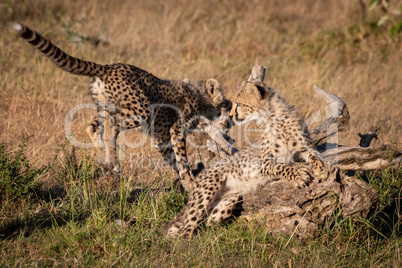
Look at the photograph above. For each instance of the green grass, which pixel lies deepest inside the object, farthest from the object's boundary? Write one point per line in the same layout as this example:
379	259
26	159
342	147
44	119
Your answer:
76	226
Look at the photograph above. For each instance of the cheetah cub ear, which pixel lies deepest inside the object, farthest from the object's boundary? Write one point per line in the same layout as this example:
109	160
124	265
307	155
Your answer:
256	89
212	86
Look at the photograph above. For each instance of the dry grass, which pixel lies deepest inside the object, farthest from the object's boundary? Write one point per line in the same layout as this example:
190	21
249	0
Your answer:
301	42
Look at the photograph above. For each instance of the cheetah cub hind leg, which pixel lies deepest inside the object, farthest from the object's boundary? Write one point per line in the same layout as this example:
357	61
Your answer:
200	203
100	136
223	208
175	227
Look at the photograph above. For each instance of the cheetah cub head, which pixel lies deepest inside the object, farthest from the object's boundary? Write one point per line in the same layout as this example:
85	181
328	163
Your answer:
212	100
251	102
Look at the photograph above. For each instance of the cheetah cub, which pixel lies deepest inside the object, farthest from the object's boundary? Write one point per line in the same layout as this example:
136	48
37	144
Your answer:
128	97
218	188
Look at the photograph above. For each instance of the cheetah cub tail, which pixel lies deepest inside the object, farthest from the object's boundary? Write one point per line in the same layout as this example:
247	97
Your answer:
56	55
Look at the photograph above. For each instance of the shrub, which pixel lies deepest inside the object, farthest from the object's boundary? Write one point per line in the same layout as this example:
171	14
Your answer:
17	178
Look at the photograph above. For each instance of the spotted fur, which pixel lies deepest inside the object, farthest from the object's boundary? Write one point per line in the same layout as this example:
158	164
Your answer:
284	138
128	97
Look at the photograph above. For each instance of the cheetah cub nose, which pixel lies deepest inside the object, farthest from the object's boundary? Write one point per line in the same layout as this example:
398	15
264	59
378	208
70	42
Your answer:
227	105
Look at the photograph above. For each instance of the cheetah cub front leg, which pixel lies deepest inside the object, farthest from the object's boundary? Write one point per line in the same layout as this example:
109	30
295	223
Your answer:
320	168
299	177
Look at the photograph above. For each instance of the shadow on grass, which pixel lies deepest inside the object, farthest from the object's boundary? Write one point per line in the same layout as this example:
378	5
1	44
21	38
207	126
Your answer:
41	219
386	218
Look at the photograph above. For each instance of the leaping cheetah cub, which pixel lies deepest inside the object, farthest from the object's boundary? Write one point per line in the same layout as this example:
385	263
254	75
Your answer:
218	188
131	97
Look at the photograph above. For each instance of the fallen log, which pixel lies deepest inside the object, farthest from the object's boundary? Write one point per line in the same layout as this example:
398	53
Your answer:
283	208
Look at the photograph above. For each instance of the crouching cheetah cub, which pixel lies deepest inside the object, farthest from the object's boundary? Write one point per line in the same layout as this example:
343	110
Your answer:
218	188
128	97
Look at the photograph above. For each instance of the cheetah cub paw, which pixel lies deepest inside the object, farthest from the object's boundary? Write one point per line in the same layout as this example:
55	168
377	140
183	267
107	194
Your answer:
303	178
321	171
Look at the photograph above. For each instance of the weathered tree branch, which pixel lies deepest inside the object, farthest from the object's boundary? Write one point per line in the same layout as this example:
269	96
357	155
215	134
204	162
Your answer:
359	159
338	120
213	134
257	73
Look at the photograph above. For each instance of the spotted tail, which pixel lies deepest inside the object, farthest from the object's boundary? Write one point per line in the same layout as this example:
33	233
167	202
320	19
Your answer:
56	55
